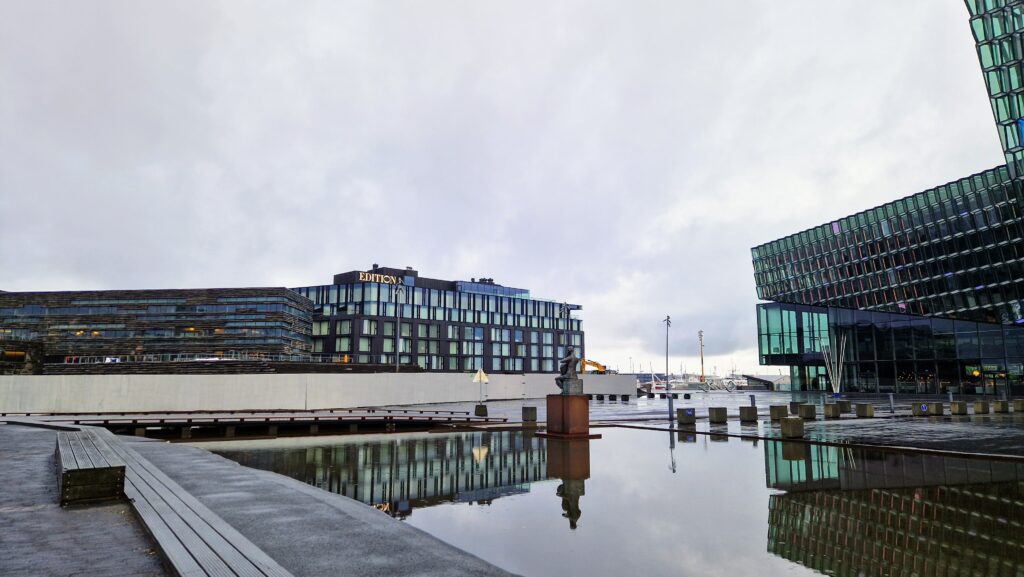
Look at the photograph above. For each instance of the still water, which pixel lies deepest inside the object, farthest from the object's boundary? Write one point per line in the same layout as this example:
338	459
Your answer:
641	502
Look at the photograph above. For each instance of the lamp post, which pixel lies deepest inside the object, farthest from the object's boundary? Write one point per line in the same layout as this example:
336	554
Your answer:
399	291
668	381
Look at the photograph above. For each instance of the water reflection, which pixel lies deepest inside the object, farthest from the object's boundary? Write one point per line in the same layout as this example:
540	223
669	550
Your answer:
702	509
850	512
399	473
569	460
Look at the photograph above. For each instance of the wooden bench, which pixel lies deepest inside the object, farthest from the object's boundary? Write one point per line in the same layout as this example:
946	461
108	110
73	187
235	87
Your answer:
87	468
194	540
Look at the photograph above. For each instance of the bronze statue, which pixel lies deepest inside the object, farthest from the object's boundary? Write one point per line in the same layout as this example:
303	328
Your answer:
567	366
567	380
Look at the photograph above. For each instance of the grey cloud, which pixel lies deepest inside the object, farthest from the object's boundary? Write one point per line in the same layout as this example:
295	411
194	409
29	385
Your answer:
623	157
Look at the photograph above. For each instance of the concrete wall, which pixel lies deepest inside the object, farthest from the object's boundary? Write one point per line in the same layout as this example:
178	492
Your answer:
125	393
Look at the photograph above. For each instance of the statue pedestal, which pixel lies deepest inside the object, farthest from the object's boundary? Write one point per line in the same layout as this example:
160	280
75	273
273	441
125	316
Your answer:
570	386
569	417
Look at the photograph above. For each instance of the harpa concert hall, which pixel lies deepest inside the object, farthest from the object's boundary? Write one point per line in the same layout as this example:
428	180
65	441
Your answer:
924	294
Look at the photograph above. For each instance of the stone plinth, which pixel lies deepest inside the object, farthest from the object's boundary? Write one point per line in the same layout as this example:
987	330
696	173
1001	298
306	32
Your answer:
778	412
748	414
832	411
568	416
529	414
980	407
919	409
1000	406
958	408
1018	405
792	428
807	412
686	416
717	415
936	409
570	386
845	406
865	410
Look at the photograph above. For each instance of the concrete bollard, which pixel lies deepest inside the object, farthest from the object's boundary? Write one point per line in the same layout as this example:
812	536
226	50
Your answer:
140	431
919	409
315	429
795	451
613	398
480	410
717	415
980	407
186	432
865	410
529	414
353	428
272	430
748	414
650	395
625	398
686	395
686	416
661	395
936	409
792	428
675	395
958	408
845	406
807	412
1000	406
778	412
753	402
1018	405
794	407
600	397
229	431
832	411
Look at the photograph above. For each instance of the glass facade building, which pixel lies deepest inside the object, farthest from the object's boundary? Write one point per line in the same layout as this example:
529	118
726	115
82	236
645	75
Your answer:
927	290
147	323
368	317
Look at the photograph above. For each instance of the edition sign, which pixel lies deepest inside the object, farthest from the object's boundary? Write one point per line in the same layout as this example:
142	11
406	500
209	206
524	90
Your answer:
374	277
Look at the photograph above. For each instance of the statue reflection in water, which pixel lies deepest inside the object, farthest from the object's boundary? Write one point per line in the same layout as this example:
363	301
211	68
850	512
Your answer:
569	460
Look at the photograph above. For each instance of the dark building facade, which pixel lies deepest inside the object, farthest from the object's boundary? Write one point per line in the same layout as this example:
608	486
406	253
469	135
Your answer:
927	291
439	325
154	324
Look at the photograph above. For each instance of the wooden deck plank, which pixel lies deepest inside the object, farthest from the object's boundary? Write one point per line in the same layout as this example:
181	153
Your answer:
173	549
67	456
198	550
245	558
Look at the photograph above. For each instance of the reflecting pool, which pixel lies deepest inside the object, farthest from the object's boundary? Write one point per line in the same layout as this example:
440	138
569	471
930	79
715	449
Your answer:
641	502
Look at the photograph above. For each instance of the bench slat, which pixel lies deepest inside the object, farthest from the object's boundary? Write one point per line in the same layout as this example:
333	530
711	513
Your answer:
90	451
243	557
75	440
66	455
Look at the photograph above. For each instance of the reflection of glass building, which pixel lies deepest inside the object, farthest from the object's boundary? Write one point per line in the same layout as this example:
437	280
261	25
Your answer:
396	474
853	513
445	325
928	289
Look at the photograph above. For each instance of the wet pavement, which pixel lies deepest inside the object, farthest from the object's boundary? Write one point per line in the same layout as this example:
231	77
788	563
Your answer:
996	434
38	537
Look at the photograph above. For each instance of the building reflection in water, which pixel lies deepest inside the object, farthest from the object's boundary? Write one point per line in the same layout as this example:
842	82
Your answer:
857	512
397	474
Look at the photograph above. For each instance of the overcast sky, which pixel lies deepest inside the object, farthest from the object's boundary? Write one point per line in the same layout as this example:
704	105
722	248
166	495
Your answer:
620	155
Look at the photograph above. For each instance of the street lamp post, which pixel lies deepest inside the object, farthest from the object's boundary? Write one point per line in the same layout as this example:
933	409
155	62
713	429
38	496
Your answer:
668	381
399	294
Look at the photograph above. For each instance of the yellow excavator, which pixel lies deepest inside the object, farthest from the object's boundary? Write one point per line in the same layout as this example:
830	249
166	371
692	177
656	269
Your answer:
599	369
